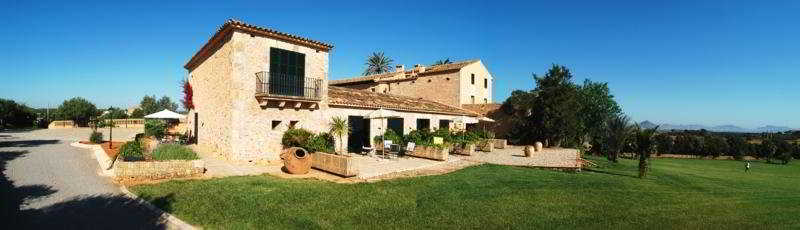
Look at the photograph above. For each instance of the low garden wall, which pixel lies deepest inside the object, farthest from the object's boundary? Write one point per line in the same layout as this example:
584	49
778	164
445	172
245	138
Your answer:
336	164
157	169
499	143
433	153
61	125
485	146
466	150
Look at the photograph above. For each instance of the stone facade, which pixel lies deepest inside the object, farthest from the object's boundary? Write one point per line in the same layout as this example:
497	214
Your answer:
452	87
233	122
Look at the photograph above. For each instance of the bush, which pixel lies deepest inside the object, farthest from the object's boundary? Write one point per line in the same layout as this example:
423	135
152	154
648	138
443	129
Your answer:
131	151
390	135
296	138
173	152
155	128
322	142
96	137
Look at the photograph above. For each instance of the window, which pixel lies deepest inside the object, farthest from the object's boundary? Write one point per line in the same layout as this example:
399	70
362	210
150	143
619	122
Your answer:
472	99
423	124
293	124
286	72
396	125
444	124
473	78
485	83
275	124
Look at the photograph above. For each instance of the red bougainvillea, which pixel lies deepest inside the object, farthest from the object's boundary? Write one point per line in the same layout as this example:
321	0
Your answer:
187	95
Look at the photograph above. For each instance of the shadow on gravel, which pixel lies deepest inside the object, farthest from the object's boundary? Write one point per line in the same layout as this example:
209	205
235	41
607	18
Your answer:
27	143
89	212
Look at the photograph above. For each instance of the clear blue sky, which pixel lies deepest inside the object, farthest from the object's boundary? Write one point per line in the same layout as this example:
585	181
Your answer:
684	62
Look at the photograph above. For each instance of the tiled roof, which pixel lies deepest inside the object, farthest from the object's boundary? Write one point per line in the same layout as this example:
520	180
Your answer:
347	97
409	74
482	109
232	24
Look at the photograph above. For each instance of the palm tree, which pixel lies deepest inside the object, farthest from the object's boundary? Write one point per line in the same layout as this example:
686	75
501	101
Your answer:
645	145
377	63
616	135
442	62
340	128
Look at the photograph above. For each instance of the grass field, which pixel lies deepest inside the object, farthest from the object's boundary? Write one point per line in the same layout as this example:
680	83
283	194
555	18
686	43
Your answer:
679	194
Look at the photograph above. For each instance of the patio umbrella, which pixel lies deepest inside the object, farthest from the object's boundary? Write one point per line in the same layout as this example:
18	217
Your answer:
165	114
382	114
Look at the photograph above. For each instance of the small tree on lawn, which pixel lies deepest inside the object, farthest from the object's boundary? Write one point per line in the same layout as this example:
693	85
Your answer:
340	128
645	145
616	135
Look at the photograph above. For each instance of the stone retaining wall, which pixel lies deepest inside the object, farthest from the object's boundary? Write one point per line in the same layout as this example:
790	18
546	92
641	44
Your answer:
125	170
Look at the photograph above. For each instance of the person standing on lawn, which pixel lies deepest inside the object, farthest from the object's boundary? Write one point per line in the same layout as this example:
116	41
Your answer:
747	166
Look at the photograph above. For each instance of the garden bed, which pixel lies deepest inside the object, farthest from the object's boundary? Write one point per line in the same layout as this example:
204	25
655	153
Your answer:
111	151
430	152
465	149
336	164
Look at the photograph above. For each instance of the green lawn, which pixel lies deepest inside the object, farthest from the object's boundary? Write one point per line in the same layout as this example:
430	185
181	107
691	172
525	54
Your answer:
679	194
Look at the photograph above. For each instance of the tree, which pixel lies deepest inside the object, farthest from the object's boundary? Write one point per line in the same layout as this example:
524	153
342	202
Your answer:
645	146
166	103
616	136
340	128
715	146
188	93
664	144
377	63
13	114
598	106
737	147
557	106
114	113
77	109
443	61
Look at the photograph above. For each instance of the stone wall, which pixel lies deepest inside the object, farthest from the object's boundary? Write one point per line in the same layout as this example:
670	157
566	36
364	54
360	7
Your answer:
213	99
157	169
61	124
442	88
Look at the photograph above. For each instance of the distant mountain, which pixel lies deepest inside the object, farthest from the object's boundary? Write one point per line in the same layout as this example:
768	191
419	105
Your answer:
720	128
773	129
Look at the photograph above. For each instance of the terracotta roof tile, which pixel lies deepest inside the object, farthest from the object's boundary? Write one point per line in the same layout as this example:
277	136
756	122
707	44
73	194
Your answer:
408	74
232	24
347	97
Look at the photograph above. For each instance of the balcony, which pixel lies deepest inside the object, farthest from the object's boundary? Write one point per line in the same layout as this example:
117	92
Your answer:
284	88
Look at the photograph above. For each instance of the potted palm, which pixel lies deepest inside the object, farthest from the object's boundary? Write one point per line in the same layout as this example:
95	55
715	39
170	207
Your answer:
340	128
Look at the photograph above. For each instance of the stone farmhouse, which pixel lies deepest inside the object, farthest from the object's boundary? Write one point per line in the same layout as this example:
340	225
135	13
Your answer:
251	84
456	84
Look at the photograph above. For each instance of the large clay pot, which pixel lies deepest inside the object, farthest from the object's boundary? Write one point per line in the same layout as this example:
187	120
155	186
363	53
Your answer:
529	151
539	146
296	160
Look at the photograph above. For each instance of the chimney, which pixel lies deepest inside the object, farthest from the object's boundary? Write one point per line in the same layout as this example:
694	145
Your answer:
399	68
419	68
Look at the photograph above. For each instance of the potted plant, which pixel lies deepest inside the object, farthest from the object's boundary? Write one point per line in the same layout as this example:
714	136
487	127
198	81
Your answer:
340	128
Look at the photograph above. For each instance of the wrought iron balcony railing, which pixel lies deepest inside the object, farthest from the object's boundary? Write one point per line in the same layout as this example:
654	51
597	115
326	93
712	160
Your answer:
276	85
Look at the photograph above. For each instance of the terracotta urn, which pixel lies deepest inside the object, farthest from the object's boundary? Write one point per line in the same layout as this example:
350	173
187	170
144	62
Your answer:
539	146
296	160
529	151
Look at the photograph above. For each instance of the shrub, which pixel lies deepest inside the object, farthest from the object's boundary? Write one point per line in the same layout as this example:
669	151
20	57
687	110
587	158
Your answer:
131	151
155	128
296	138
390	135
96	137
173	152
322	142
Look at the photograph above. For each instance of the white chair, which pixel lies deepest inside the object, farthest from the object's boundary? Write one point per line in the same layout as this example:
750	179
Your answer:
410	147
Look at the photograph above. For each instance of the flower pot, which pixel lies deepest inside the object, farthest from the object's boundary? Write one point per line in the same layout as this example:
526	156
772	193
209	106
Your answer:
529	151
296	160
336	164
538	146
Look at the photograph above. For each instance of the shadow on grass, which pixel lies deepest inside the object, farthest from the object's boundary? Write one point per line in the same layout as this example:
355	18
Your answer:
108	211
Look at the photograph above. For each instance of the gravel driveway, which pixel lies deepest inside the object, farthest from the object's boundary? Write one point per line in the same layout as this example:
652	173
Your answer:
46	183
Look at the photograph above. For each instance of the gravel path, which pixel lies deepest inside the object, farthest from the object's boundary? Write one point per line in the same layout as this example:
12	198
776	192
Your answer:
515	155
48	184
